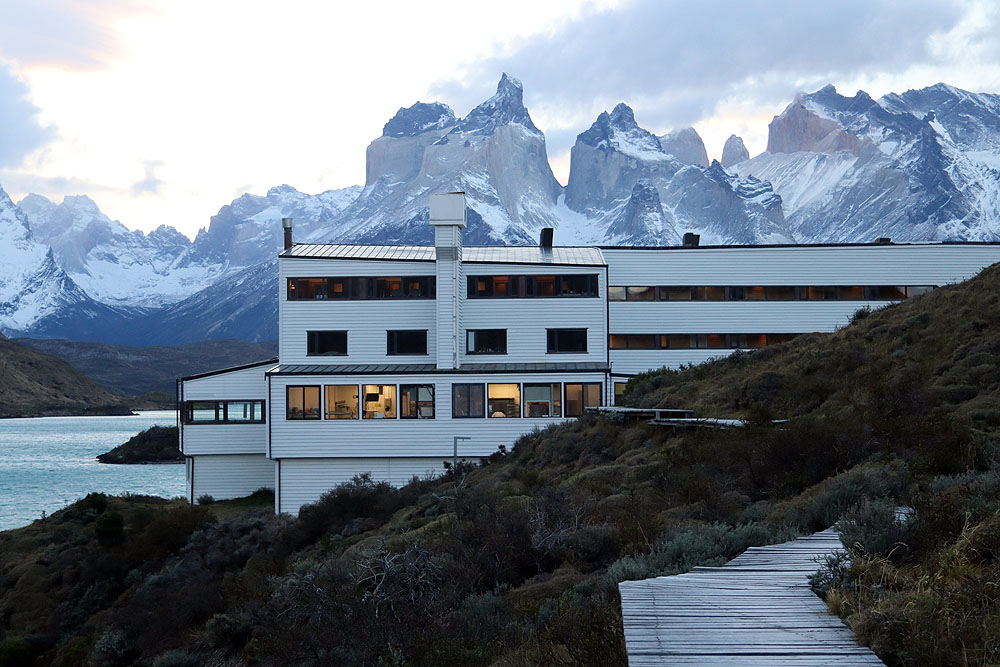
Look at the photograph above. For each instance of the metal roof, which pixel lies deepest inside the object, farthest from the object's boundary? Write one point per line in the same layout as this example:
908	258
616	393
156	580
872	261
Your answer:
559	255
231	369
412	369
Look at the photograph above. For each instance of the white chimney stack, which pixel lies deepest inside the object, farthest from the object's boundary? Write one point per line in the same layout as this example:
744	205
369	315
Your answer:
448	221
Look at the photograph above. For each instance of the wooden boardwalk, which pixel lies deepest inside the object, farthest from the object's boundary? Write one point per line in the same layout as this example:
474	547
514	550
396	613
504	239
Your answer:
755	611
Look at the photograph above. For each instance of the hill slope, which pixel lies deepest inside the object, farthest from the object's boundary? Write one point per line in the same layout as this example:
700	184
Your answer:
515	562
34	384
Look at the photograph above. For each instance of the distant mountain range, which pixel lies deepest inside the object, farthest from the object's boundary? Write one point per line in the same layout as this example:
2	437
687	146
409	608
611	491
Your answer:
924	165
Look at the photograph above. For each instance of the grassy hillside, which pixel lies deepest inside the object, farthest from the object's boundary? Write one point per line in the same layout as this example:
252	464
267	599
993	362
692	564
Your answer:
515	562
157	444
133	371
33	383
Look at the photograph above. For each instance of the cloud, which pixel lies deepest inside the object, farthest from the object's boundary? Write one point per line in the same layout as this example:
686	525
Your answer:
21	132
66	33
674	61
20	183
150	183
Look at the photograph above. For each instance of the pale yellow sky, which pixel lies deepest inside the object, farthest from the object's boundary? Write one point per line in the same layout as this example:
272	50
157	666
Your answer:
165	110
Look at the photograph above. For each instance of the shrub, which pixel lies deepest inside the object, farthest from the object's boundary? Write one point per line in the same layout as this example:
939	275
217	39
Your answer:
109	528
875	528
177	659
205	499
16	652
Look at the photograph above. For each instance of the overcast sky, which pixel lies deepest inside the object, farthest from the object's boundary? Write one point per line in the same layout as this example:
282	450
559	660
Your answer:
165	110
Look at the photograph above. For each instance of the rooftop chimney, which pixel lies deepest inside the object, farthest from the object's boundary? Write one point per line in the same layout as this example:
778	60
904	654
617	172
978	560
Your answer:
448	220
545	240
286	224
883	240
691	240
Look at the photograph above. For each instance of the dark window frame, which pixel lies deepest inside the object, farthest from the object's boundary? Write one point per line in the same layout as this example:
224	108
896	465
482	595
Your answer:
527	286
583	395
364	288
222	411
305	415
470	333
552	336
392	343
468	400
312	336
717	293
433	402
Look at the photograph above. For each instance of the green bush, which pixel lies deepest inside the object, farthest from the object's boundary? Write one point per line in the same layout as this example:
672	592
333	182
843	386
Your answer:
16	652
205	499
876	528
109	528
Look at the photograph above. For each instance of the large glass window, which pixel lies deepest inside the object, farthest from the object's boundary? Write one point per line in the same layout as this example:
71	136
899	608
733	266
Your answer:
765	293
406	342
467	400
326	343
486	341
380	401
533	286
223	412
302	402
341	401
361	287
503	400
543	400
641	293
616	294
566	340
580	396
885	293
416	401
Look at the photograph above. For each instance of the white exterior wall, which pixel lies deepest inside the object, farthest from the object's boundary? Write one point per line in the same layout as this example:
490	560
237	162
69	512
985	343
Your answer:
411	438
800	265
245	384
796	266
526	319
366	321
228	476
303	481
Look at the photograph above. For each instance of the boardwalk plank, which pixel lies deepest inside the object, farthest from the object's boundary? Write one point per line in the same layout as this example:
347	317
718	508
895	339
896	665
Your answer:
754	611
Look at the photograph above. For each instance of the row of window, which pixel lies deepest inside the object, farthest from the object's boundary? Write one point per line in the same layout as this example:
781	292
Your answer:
414	342
416	401
694	341
585	285
361	288
768	293
223	412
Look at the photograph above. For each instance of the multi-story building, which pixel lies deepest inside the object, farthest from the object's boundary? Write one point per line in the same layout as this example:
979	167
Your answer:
392	358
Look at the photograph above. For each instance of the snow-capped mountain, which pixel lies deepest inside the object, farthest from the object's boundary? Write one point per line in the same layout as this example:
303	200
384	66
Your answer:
686	146
921	166
615	164
33	288
734	152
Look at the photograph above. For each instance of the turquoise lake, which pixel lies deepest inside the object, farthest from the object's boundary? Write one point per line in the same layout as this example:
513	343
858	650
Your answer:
48	462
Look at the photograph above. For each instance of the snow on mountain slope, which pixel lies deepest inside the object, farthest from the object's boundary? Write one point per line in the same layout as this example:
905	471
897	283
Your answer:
32	286
853	169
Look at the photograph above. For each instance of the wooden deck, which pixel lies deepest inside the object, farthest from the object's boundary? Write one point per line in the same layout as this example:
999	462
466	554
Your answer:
755	611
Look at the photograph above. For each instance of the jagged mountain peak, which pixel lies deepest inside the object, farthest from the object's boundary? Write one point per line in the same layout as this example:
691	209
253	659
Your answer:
734	151
686	145
506	107
619	132
419	118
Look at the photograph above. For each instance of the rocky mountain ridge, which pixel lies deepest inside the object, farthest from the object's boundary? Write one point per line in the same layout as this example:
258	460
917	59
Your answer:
918	166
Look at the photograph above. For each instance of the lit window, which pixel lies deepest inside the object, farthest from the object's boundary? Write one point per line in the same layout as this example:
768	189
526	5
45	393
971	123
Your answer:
380	401
503	400
302	402
580	396
341	401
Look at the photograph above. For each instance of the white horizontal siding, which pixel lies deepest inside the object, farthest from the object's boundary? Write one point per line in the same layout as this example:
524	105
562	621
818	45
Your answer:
228	476
403	437
234	385
303	481
653	317
639	361
831	265
225	438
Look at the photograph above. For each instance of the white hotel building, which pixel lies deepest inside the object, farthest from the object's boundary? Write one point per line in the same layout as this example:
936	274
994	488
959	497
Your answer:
387	354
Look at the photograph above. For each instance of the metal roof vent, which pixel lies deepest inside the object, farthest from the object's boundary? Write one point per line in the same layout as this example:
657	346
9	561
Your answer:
691	240
286	224
545	240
